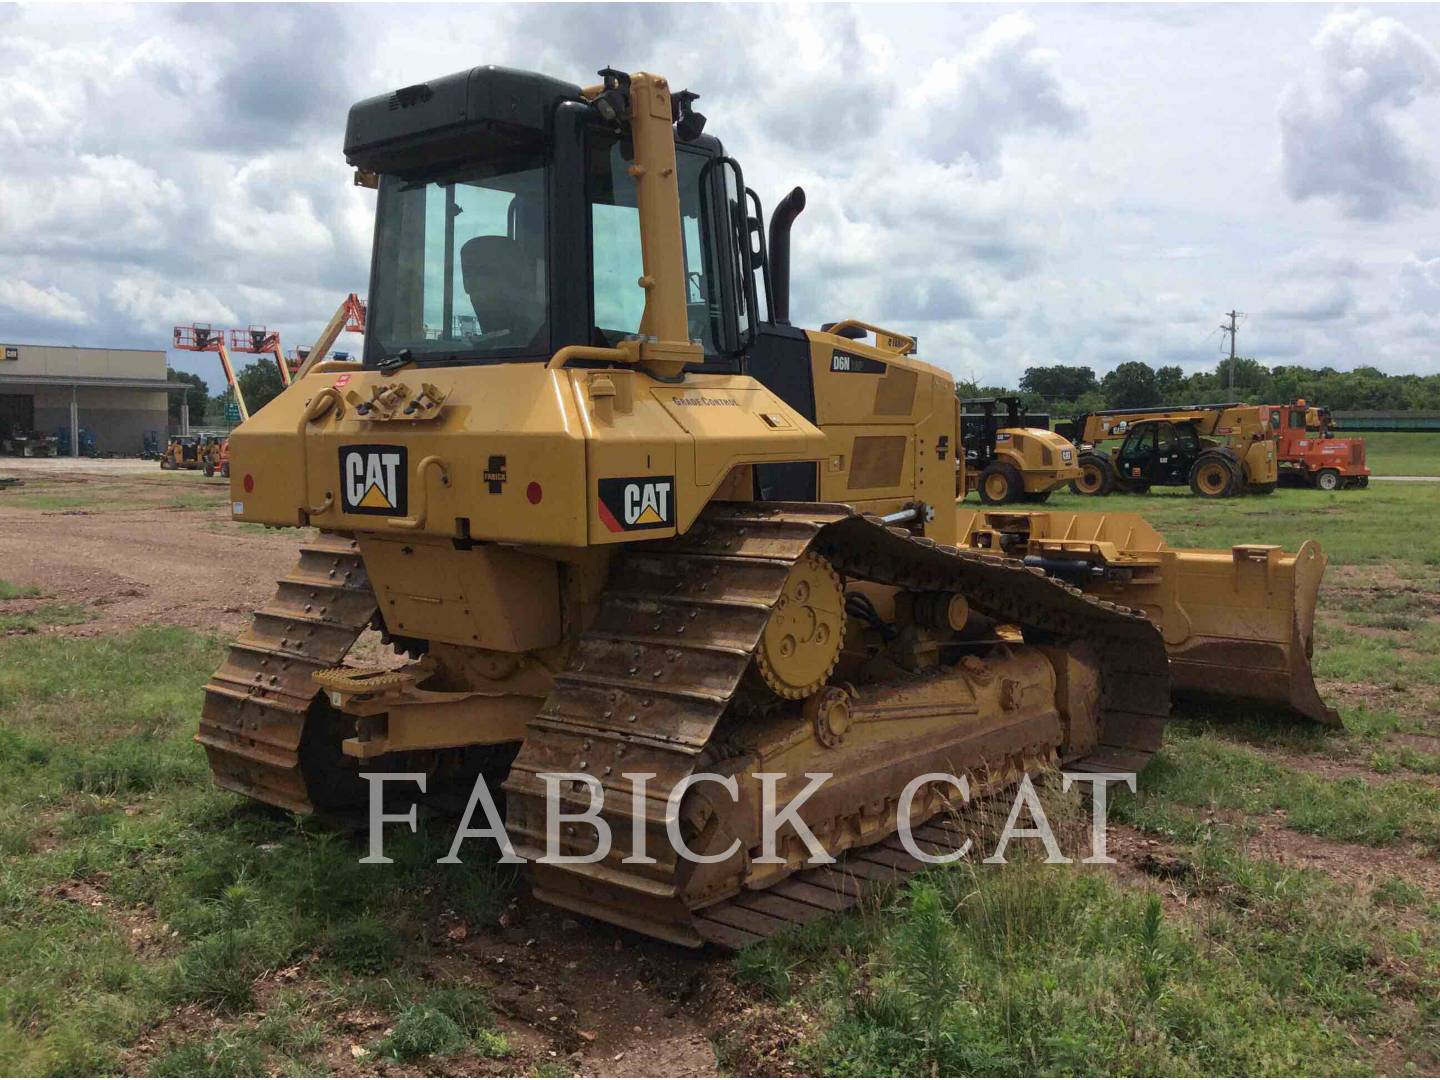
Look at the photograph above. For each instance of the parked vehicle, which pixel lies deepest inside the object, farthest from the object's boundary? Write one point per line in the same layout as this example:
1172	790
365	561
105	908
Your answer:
1307	454
1219	450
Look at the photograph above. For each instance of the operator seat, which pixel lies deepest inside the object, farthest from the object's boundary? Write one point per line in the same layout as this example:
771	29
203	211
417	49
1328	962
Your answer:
499	277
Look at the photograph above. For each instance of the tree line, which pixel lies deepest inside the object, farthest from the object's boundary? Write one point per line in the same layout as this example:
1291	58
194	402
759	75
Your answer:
1060	389
1066	390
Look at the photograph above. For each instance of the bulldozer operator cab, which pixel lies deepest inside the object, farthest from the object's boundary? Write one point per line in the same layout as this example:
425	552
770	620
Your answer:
526	236
522	220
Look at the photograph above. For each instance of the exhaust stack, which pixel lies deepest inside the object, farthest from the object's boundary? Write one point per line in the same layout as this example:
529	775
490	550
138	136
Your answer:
780	221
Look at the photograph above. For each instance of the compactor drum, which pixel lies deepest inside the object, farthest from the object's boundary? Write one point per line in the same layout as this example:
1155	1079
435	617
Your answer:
631	534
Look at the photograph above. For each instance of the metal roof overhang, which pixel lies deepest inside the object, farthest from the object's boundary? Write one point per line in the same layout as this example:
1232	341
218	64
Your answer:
93	380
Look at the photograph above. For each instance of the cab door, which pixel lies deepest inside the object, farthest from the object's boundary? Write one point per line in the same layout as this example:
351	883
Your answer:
1187	449
1137	454
1172	463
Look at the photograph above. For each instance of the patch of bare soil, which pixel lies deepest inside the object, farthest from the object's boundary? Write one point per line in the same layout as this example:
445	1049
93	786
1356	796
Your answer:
594	999
1341	769
146	935
1352	864
572	996
143	565
1429	744
1369	577
1411	700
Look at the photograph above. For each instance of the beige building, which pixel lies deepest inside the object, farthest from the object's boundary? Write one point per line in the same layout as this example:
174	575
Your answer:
116	395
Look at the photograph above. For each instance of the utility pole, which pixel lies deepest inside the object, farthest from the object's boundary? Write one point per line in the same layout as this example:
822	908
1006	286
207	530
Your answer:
1230	329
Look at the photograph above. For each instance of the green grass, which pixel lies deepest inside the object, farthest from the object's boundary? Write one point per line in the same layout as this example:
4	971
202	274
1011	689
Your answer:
1402	453
16	592
1039	970
105	794
1208	771
38	618
120	494
443	1024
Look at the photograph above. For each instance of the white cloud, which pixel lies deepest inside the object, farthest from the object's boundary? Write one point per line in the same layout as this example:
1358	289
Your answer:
1004	84
1341	130
108	207
45	303
1420	283
158	305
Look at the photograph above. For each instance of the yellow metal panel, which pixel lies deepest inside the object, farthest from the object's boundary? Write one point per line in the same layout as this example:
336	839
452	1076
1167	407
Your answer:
520	418
488	597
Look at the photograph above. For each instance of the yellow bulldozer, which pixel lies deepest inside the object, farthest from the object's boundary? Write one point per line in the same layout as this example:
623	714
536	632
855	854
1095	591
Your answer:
632	526
1218	450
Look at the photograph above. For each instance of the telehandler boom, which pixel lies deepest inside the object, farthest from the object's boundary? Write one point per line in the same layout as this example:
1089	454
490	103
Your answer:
633	526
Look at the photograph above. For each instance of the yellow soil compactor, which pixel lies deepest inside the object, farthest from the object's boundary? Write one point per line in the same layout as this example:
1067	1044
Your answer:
628	521
1013	459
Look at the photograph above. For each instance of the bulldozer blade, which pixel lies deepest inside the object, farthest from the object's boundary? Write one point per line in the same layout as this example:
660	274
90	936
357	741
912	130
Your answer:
1243	627
1239	624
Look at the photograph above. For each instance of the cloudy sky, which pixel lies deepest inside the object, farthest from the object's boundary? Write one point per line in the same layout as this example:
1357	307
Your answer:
1016	185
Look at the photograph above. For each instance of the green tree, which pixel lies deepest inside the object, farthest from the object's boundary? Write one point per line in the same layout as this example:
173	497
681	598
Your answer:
1170	384
1252	381
197	394
260	383
1131	386
1058	382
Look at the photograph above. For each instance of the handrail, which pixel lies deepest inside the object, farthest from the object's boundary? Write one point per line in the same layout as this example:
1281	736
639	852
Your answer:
319	405
417	520
908	343
315	408
588	352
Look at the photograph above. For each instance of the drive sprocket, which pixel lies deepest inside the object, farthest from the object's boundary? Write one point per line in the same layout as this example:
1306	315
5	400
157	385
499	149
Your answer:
802	640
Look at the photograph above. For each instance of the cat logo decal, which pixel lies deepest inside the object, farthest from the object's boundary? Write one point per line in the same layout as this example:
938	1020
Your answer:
373	480
631	503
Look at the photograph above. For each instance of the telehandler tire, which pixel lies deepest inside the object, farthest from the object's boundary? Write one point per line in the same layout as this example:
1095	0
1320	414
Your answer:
1035	497
1214	476
1097	476
1263	489
208	469
1000	483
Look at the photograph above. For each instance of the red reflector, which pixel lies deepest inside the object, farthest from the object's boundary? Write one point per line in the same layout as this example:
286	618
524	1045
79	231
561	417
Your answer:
533	492
249	482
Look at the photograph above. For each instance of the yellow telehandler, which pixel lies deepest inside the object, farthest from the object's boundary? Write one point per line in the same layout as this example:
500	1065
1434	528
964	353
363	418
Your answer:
1219	450
634	526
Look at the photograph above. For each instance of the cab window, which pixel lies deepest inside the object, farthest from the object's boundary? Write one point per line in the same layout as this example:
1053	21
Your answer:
1140	441
460	264
1165	439
616	261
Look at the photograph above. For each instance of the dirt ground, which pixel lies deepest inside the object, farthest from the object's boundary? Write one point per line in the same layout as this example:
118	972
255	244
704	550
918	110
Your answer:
135	556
